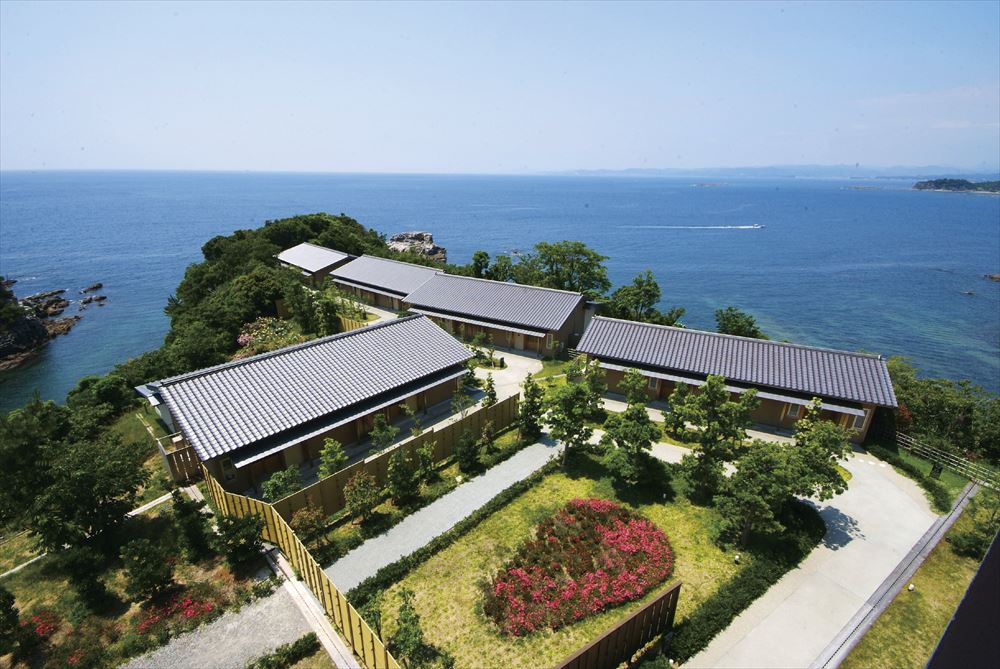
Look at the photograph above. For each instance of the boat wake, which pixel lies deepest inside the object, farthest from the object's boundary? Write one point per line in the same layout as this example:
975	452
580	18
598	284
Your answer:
694	227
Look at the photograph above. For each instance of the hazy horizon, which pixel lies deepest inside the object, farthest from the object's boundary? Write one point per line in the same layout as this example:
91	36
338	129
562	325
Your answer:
498	88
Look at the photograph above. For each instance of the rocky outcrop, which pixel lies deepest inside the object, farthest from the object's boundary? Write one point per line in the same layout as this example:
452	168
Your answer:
418	242
993	277
92	287
26	326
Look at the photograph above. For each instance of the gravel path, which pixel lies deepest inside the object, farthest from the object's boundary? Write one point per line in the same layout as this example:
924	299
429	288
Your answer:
233	639
436	518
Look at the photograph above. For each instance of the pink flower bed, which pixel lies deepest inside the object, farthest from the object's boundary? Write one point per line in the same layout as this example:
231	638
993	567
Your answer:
590	555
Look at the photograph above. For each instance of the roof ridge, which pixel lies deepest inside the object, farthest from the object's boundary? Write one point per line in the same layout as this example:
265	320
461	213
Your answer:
513	283
804	347
281	351
400	262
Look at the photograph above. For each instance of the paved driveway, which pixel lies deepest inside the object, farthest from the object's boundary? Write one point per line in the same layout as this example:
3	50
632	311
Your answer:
509	379
871	527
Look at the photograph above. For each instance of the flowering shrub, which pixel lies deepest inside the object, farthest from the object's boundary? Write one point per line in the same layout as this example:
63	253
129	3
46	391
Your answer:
266	334
590	555
175	615
43	624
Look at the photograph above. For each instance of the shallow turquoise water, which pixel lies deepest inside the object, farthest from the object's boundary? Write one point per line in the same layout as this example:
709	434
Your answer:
880	270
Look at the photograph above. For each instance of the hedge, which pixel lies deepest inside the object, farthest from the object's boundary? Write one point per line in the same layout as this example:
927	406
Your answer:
940	497
396	571
286	655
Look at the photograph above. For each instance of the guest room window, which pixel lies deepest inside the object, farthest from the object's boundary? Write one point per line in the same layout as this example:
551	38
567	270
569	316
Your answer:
793	410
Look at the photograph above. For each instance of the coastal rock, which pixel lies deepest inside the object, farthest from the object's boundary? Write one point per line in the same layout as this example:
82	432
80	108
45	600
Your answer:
24	326
421	242
992	277
92	287
60	326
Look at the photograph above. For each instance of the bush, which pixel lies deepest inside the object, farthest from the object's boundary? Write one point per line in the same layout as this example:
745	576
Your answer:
403	476
391	573
83	566
281	484
940	497
309	524
10	622
467	452
361	496
590	555
149	570
288	654
239	538
194	531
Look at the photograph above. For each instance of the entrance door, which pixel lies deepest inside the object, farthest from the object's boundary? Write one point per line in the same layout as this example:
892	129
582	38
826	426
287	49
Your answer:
519	341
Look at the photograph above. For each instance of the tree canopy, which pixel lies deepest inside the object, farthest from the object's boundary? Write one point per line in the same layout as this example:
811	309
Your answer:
732	321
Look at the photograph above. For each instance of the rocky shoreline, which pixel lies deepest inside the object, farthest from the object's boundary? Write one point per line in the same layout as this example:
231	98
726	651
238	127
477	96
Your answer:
418	242
27	325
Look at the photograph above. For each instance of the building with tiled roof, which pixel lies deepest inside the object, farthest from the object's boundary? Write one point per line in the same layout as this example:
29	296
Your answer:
787	376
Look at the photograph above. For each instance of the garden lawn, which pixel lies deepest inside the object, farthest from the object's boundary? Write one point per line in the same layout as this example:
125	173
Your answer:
17	547
906	634
447	587
132	430
953	483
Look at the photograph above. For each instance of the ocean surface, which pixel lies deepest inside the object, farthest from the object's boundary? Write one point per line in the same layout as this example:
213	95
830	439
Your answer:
885	270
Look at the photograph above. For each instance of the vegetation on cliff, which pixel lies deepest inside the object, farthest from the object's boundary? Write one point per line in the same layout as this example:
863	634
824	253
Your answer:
959	185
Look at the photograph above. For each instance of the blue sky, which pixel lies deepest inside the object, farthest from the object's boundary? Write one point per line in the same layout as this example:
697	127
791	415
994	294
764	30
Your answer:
497	87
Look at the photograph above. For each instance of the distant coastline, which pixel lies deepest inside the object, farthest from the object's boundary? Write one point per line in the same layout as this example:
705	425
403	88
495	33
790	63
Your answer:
959	186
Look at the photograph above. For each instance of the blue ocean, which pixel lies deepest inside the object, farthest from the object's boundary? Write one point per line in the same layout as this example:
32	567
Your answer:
836	263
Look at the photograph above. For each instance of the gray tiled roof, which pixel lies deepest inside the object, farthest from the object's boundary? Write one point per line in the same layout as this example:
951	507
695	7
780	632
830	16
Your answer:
311	258
397	277
824	372
224	408
542	308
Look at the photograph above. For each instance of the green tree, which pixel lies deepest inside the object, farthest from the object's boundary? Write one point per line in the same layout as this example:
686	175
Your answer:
327	316
332	458
502	269
281	484
148	568
361	496
403	476
480	262
239	538
309	524
720	431
675	420
529	416
383	434
408	642
371	611
628	438
91	488
636	301
567	418
191	522
83	566
819	446
732	321
486	446
489	392
425	461
10	620
593	381
984	510
634	385
467	452
302	303
752	498
570	265
460	402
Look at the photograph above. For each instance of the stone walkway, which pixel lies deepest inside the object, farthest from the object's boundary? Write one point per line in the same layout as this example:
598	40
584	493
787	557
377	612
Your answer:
436	518
233	639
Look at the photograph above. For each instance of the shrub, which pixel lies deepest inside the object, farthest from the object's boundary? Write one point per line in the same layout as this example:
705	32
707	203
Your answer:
194	531
309	524
83	566
281	484
403	476
984	513
288	654
467	452
408	640
10	622
391	573
590	555
382	434
361	496
149	570
239	538
490	392
332	458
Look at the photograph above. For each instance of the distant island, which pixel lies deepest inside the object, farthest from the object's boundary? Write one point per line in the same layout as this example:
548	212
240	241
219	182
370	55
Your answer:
959	185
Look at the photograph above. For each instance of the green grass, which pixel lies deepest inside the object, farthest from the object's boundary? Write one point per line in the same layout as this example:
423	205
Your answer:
447	585
953	483
905	635
17	547
318	660
132	429
552	368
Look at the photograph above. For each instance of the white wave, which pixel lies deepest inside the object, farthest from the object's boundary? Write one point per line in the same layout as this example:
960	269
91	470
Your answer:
693	227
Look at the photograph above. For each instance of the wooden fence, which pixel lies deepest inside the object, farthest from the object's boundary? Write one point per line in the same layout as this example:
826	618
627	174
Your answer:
982	475
328	493
365	643
620	643
182	463
348	324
